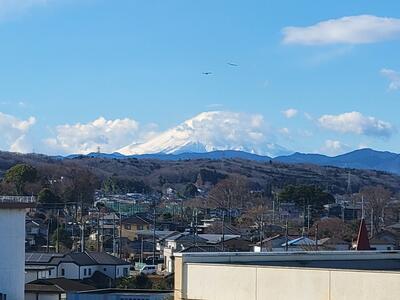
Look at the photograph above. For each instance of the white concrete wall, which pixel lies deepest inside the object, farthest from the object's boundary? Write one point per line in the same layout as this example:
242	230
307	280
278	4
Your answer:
12	253
213	281
32	296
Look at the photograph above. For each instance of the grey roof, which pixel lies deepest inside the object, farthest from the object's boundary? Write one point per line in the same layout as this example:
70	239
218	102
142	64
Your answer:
106	259
217	238
79	258
62	284
41	258
201	248
137	220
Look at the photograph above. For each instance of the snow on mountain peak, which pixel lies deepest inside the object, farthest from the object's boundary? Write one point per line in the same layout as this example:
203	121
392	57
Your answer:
210	131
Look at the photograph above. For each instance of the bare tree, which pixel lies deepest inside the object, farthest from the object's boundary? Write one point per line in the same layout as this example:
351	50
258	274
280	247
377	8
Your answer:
376	199
229	193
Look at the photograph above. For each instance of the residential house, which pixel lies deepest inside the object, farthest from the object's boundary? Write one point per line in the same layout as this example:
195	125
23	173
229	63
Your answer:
35	233
133	224
121	294
381	244
53	289
333	244
271	244
299	244
79	265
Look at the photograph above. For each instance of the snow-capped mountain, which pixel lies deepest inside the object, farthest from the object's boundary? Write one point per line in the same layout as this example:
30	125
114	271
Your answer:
211	131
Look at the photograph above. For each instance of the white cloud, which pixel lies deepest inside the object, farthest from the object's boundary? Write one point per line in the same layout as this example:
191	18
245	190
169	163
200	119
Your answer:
360	29
11	8
394	78
355	122
109	135
290	113
333	147
13	133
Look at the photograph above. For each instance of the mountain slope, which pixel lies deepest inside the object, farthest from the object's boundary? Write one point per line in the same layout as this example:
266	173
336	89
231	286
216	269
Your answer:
358	159
210	131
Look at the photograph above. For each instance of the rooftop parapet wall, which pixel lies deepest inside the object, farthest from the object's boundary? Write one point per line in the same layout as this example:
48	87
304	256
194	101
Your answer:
253	258
17	202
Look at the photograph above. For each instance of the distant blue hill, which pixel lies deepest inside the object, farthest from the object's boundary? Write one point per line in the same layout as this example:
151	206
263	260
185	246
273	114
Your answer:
223	154
358	159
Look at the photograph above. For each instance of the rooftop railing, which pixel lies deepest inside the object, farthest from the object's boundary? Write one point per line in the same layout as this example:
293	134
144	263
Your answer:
17	199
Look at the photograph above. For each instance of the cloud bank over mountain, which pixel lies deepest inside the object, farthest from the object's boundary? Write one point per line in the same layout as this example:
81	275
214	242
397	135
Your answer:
206	132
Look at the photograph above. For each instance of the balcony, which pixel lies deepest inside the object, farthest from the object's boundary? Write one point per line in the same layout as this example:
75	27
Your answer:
17	202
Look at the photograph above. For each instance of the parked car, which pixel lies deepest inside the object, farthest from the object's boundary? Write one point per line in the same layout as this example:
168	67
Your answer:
148	269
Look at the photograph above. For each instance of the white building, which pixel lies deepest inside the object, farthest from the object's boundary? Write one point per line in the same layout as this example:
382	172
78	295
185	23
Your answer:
12	250
333	275
76	265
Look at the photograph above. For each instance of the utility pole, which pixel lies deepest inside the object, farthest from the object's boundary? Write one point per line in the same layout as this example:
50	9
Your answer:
308	219
223	230
102	233
154	230
362	207
48	235
114	250
141	251
316	237
372	222
194	222
57	233
120	230
98	231
261	231
287	235
273	210
82	226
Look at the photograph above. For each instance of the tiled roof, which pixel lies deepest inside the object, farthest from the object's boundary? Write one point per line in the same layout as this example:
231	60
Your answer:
62	284
137	220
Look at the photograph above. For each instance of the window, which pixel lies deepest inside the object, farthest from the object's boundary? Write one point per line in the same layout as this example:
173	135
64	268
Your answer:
84	272
126	272
62	272
49	273
90	272
140	227
127	226
105	269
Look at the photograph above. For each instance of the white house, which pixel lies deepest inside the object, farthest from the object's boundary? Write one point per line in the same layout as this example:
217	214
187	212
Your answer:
77	265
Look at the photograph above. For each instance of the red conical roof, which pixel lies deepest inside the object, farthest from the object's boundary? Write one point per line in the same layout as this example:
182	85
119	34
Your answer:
362	239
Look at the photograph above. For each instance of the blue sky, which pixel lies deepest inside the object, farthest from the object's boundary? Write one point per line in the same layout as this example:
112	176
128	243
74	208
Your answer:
321	83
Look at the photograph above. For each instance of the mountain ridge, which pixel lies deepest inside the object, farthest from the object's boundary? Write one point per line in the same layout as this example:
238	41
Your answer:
367	158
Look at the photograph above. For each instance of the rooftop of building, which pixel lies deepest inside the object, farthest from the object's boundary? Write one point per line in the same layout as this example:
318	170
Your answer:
80	258
126	291
17	202
349	260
